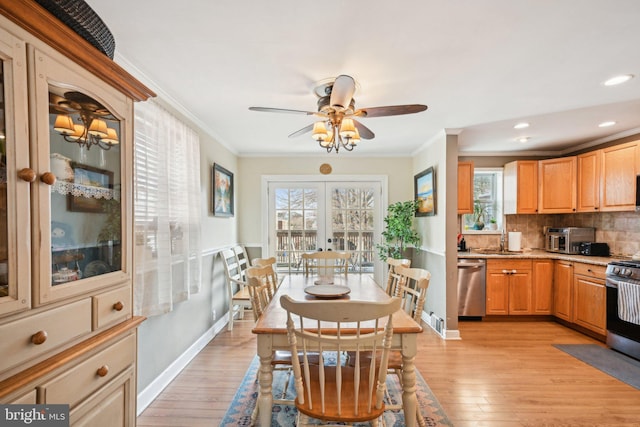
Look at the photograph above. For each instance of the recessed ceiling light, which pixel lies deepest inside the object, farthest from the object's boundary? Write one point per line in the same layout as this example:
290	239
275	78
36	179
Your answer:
523	139
521	125
606	124
618	79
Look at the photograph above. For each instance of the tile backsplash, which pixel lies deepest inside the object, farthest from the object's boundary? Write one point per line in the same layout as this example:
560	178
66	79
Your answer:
621	230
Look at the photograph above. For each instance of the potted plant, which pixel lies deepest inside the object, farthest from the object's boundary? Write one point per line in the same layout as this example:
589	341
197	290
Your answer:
479	212
399	232
493	224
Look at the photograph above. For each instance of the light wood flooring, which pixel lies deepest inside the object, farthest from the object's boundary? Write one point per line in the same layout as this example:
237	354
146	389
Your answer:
499	374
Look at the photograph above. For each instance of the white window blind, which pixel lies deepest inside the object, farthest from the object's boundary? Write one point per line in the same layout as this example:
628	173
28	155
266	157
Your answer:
167	209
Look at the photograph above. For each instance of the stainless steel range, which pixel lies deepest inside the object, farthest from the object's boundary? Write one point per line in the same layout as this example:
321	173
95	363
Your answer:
623	307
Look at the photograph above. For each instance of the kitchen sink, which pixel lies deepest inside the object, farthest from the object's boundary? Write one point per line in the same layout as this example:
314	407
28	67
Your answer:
494	251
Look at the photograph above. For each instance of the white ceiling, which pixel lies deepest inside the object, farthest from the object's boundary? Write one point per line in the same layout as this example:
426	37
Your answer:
480	66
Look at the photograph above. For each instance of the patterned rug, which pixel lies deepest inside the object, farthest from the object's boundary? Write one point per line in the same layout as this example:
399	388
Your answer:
239	413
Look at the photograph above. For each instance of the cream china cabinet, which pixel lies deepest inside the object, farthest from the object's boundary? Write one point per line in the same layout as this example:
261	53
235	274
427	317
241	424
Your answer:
67	333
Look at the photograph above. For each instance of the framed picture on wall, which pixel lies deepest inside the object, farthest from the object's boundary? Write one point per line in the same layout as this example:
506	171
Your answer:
222	191
89	185
425	192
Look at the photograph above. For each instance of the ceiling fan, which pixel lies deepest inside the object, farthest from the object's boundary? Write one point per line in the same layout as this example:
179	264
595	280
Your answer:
338	126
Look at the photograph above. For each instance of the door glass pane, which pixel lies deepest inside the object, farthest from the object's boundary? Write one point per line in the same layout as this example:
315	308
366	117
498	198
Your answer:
4	242
352	211
86	215
296	226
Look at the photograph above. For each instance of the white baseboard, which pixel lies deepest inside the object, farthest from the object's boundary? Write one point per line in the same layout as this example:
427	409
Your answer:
447	334
153	390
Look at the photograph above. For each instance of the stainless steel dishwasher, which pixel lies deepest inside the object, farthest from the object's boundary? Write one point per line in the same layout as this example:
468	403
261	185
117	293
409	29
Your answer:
471	287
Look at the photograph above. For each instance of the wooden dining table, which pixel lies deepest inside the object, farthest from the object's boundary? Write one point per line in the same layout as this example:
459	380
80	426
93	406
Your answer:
271	331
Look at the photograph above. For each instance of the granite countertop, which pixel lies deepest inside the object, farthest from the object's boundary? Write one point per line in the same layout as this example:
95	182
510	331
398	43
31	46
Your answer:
539	254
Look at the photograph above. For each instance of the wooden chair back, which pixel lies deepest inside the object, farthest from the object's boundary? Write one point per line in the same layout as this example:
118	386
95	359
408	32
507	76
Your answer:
326	263
327	391
412	290
272	262
261	284
235	263
392	278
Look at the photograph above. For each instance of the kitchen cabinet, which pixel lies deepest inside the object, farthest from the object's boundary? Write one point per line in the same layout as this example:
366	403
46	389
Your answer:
588	199
509	287
542	286
589	297
562	295
553	197
619	166
521	187
465	188
66	225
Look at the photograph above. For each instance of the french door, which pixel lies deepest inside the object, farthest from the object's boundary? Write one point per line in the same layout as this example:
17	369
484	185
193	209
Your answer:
307	216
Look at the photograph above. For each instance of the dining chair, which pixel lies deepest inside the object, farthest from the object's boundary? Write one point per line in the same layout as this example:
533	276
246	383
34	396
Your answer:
392	277
335	391
272	262
261	284
326	263
235	265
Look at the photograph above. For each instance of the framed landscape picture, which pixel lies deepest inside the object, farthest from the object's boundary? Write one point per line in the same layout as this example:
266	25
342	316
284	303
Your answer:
425	192
88	180
222	191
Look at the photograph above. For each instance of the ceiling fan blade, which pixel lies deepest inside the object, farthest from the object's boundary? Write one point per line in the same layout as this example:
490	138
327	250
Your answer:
305	129
390	110
342	91
365	132
281	110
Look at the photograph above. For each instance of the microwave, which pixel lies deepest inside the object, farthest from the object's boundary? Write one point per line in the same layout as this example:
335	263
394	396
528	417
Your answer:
567	240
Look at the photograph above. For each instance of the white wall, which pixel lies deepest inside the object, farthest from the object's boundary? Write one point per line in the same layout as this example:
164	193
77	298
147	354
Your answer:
248	188
437	253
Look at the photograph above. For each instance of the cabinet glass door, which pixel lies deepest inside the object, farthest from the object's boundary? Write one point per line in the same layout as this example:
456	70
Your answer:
15	178
85	198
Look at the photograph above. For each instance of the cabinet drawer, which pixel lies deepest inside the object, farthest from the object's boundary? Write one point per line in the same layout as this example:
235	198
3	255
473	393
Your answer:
111	307
83	379
512	264
589	270
61	325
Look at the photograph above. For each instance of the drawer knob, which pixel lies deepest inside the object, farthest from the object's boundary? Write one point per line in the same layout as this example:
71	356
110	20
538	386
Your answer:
39	337
48	178
103	371
27	174
118	306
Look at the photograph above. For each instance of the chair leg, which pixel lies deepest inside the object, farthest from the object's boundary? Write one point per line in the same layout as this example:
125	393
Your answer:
230	324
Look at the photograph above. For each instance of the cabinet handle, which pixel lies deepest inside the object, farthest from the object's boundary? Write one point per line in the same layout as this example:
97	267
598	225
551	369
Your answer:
118	306
27	174
103	371
48	178
39	337
514	271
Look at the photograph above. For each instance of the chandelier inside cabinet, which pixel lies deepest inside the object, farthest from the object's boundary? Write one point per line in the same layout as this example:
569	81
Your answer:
90	128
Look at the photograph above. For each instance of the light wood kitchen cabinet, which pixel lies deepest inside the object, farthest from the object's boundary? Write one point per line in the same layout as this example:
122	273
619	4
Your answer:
619	167
562	287
508	287
521	187
589	297
465	187
589	181
542	287
557	190
66	224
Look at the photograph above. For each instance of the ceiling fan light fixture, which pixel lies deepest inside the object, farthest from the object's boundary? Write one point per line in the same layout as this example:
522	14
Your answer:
319	131
347	128
355	139
98	128
616	80
78	132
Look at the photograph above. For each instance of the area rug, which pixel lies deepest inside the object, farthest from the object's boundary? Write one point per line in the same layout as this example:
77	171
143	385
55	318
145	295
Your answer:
608	361
240	410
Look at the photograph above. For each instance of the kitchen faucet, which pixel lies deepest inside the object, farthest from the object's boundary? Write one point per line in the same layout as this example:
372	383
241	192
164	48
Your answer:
502	238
